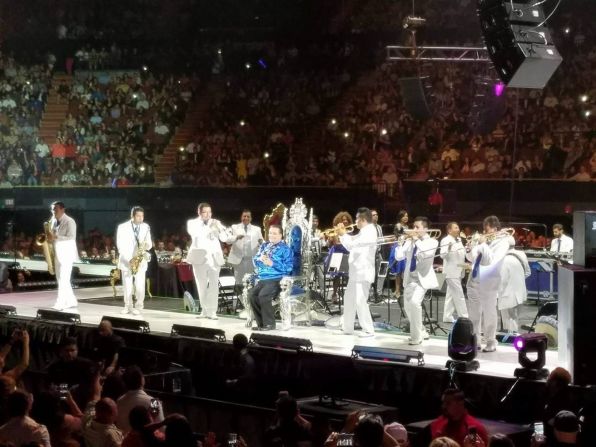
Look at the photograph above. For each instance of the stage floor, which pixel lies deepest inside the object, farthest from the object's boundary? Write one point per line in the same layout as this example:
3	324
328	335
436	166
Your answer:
501	363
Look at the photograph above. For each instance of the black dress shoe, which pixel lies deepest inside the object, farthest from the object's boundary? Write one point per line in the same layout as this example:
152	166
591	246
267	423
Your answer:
267	328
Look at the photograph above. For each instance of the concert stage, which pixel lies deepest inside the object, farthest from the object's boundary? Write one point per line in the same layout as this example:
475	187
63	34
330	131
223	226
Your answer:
498	364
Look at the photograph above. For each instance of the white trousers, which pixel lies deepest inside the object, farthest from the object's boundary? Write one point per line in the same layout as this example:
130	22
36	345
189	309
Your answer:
134	283
207	280
245	266
482	307
66	297
510	319
356	303
413	296
455	299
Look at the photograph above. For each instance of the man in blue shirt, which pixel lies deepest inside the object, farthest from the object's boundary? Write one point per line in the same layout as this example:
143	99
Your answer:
273	261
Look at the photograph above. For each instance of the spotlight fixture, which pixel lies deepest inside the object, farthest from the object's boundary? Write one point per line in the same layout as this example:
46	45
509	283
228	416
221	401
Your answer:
531	343
461	346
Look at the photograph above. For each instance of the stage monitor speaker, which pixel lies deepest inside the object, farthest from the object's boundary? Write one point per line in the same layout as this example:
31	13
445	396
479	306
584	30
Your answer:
387	354
414	96
7	310
584	238
521	50
128	324
577	314
57	315
276	341
206	333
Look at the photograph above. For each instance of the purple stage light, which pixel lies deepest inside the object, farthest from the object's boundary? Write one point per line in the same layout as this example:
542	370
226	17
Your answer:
499	89
519	343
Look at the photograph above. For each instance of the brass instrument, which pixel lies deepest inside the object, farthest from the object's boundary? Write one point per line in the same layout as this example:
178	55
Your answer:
503	232
48	248
139	256
333	232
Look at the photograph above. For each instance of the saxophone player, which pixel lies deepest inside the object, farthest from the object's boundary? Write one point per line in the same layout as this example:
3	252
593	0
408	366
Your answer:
206	257
63	234
133	240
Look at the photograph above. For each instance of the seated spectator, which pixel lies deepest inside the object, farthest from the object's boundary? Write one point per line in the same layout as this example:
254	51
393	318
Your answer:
369	432
105	347
179	433
7	387
21	429
398	432
99	429
444	441
288	430
566	429
455	421
558	398
16	372
143	432
62	418
135	396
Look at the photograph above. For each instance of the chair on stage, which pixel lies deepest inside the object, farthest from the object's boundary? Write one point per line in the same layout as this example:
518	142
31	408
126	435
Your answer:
228	292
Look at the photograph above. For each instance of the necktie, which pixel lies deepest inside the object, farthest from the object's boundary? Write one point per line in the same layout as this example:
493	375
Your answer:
476	265
413	260
246	230
559	245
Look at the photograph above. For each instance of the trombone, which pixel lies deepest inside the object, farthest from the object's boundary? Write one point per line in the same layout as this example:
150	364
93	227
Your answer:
332	232
434	233
503	232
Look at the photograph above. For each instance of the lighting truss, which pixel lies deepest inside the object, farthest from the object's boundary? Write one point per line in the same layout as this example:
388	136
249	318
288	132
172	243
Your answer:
438	54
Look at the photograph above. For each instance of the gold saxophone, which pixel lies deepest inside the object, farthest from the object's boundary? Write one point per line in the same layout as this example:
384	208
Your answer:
48	248
140	255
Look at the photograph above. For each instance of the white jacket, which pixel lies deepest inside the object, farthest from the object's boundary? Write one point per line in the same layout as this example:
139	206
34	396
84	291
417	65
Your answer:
253	239
425	256
453	257
205	247
126	243
65	243
566	244
514	271
489	271
363	249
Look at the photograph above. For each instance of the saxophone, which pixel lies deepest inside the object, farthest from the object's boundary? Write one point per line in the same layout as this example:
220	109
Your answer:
48	248
139	256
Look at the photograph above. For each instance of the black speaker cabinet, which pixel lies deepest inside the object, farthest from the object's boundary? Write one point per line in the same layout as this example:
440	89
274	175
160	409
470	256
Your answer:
413	94
577	318
584	238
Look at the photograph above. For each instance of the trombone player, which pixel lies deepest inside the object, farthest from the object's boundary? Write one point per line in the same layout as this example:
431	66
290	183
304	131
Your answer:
62	233
133	240
454	256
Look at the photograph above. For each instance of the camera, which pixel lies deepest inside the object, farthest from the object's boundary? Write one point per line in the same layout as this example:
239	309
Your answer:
154	407
63	391
345	440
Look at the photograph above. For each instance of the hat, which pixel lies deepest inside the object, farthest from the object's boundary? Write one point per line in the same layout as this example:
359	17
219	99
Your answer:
397	431
566	422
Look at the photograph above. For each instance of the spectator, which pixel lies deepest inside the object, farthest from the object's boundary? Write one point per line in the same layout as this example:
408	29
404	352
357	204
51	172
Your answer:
99	429
243	384
566	429
288	430
179	433
16	372
500	440
20	428
444	441
455	421
143	431
398	432
135	396
369	432
63	418
105	348
558	398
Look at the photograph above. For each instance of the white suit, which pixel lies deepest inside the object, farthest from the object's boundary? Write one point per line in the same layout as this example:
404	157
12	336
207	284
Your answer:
128	237
483	285
564	246
65	249
418	281
454	256
512	290
361	262
244	249
206	258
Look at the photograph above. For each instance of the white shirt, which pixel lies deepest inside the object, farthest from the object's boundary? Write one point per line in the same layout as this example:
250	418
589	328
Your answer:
246	247
24	430
128	401
489	269
514	271
453	257
126	241
205	247
363	249
424	271
565	247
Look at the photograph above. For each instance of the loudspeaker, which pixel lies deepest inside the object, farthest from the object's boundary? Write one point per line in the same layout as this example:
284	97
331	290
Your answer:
414	96
520	49
577	314
584	238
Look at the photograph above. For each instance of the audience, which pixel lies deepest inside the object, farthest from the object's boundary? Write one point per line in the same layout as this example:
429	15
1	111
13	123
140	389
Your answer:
105	347
15	373
20	429
290	428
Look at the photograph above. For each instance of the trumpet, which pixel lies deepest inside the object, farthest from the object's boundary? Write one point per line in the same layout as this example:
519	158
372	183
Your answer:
332	232
503	232
434	233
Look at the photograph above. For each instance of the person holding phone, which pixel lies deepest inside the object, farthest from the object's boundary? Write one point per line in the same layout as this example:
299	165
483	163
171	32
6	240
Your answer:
288	430
16	372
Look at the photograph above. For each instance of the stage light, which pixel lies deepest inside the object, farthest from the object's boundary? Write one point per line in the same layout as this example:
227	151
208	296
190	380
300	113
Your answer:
242	123
567	30
346	134
247	66
56	315
145	68
583	98
531	343
587	113
205	333
128	324
219	51
387	354
266	155
333	121
181	148
6	310
499	89
383	131
461	346
276	341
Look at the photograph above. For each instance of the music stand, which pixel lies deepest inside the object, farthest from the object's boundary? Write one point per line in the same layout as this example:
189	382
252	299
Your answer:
428	320
338	265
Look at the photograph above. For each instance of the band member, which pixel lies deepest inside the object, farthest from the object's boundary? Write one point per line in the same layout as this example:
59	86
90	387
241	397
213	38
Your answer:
485	278
245	240
63	235
206	257
133	240
561	243
379	255
273	261
361	261
316	231
512	290
397	267
454	257
419	275
335	246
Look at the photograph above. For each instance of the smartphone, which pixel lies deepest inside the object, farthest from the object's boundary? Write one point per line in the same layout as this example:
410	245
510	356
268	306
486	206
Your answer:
63	391
539	428
232	440
345	440
154	407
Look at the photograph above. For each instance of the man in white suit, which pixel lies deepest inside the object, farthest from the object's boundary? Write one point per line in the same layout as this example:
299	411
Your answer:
561	243
245	239
512	290
419	275
454	256
63	236
133	237
206	257
361	263
485	279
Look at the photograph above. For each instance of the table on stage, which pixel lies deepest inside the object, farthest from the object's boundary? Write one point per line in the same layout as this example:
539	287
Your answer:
173	280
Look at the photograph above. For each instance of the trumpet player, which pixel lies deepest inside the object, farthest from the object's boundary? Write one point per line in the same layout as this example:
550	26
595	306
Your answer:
133	240
63	234
206	257
453	255
487	256
419	275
